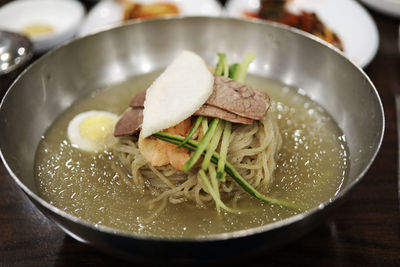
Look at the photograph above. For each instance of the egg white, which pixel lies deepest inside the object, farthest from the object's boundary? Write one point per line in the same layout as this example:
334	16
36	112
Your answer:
105	131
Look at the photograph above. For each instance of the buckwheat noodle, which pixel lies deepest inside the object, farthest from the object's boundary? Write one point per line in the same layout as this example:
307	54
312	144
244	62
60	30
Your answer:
253	151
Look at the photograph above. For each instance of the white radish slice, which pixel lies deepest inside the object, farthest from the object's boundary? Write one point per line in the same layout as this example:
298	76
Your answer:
177	93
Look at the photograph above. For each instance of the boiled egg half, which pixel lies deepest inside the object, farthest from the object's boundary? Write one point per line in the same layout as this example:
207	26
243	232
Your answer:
92	131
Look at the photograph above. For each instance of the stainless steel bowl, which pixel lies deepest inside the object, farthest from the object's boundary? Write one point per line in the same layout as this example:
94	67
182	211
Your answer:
15	51
59	78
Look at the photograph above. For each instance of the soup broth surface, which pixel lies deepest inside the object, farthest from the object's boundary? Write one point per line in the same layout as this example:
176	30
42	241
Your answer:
311	168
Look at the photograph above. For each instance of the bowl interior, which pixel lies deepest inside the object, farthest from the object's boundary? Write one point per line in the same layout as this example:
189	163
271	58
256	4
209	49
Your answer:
64	75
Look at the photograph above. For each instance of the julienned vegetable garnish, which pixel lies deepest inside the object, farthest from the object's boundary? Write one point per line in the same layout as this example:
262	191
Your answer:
207	145
287	152
193	145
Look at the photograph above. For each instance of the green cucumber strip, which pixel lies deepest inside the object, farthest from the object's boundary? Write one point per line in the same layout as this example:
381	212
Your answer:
204	125
214	183
224	150
221	65
192	145
234	70
205	140
211	191
213	176
213	145
241	75
192	131
226	70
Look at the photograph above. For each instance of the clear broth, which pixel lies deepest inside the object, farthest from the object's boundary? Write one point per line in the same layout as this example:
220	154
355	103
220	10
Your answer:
312	167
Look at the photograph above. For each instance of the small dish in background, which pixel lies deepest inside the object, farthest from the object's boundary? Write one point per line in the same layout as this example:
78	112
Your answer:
111	12
47	23
347	18
388	7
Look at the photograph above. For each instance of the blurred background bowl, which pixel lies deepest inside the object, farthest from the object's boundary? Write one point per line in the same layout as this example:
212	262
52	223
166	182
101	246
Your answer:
388	7
47	23
110	57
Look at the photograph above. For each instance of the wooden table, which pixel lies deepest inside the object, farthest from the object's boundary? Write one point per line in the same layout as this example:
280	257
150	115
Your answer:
364	231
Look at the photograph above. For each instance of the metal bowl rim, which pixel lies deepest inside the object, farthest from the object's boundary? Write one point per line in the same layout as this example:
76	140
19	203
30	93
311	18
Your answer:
212	237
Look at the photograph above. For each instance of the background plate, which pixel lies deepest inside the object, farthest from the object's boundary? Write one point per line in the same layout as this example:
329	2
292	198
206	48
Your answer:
389	7
348	19
109	12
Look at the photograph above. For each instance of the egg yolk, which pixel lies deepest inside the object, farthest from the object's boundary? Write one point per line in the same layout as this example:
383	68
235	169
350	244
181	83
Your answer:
33	30
96	128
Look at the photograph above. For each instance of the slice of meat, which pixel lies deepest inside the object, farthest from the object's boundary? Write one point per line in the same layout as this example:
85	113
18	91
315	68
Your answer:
238	98
230	95
214	112
129	123
138	100
231	101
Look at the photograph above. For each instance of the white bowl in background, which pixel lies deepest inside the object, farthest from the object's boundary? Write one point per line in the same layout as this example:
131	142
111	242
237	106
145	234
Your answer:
388	7
109	13
63	16
347	18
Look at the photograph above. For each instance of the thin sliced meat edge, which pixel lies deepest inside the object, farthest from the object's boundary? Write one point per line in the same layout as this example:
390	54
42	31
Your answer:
130	122
238	98
231	101
215	112
230	95
138	100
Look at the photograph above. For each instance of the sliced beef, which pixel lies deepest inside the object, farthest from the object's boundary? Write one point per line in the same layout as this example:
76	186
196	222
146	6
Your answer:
231	101
130	122
138	100
238	98
214	112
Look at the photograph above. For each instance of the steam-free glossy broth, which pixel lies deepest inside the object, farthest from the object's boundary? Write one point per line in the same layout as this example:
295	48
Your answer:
312	167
